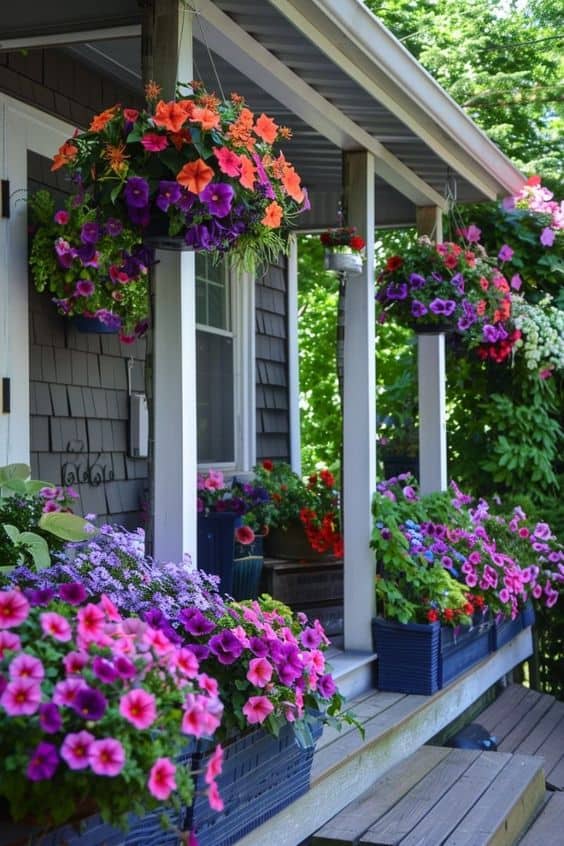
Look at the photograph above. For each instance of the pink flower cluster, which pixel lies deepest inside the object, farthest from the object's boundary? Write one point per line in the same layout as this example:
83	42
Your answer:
56	498
86	680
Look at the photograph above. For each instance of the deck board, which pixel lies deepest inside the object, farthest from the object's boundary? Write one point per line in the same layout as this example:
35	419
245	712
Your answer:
530	723
547	828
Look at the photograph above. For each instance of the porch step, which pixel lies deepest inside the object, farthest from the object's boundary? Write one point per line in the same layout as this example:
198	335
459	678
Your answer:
530	723
443	797
546	829
354	671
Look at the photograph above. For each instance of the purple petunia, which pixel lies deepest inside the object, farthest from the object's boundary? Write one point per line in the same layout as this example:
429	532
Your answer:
113	227
50	718
440	306
104	670
547	237
226	647
136	192
326	686
84	288
195	622
218	197
397	291
417	281
43	762
87	254
139	215
506	253
90	233
418	309
90	704
73	593
169	194
490	333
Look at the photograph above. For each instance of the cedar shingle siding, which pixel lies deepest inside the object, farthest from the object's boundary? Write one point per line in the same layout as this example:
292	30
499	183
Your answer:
273	421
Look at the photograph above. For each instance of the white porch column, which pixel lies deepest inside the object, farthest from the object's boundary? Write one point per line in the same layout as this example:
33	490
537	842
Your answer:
293	357
359	410
167	58
432	383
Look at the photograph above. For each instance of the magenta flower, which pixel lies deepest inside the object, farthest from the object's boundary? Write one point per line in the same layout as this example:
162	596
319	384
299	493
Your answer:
55	625
547	237
244	535
26	666
506	253
310	638
161	781
106	757
215	800
226	647
50	718
75	662
75	749
66	691
138	707
257	708
14	608
61	217
215	765
326	686
90	622
43	762
195	622
187	663
104	670
51	506
208	684
73	593
473	234
218	197
21	698
84	288
90	704
153	142
259	672
8	641
125	668
516	282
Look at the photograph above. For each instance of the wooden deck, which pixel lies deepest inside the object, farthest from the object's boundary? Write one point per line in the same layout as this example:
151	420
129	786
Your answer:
546	830
396	725
529	723
443	797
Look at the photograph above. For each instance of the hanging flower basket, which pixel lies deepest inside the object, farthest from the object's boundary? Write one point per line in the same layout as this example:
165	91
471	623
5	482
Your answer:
350	263
92	325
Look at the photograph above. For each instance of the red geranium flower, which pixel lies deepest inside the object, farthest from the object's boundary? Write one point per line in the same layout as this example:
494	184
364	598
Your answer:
268	465
393	263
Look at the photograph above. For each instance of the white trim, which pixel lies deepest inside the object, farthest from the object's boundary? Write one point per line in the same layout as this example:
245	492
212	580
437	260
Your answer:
431	378
353	38
294	357
243	320
359	411
22	128
246	54
34	42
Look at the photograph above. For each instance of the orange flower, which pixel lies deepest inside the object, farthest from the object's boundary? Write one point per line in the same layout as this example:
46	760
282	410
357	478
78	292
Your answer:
152	90
209	101
266	129
285	132
170	115
65	155
188	106
248	173
99	121
116	158
240	131
180	138
272	216
236	98
291	181
205	117
195	176
196	85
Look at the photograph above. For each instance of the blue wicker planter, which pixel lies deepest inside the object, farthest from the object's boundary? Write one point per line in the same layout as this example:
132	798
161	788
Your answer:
261	775
506	629
216	538
423	657
247	569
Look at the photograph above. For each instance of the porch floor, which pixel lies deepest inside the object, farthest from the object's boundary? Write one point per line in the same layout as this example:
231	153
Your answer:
529	723
345	765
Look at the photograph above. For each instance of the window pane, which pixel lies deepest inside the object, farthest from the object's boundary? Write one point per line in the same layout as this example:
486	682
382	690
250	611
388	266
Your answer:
212	293
214	367
216	306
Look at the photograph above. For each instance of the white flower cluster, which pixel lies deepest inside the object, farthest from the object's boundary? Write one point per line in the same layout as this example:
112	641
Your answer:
542	327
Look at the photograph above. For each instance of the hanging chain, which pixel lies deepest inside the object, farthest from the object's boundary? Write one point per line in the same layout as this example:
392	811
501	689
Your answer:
198	15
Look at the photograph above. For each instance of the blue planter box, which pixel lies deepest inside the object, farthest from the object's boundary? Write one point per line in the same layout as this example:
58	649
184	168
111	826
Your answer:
506	629
216	538
261	775
423	657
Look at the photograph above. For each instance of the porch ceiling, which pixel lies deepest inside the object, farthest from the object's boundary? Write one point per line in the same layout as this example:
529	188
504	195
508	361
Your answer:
317	76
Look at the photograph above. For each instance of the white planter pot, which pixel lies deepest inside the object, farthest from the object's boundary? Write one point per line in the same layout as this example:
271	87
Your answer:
343	262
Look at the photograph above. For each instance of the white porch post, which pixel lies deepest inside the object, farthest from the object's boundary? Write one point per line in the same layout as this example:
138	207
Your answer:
359	410
432	383
167	58
293	357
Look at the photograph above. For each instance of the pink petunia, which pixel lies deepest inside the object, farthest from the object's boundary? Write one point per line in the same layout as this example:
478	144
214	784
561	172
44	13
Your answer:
208	684
75	662
215	800
9	641
158	640
90	623
110	609
259	672
21	698
153	142
138	708
161	781
201	717
257	708
61	217
26	666
106	757
547	237
51	506
187	663
65	691
75	750
244	535
215	765
228	161
14	608
55	625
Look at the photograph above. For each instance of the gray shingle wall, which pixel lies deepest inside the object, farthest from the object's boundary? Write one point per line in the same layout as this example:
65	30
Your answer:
273	422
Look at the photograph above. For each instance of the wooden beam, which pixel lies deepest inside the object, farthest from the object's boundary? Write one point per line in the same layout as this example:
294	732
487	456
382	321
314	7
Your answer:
359	410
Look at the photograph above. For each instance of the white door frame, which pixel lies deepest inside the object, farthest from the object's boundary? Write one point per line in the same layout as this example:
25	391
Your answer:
22	128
